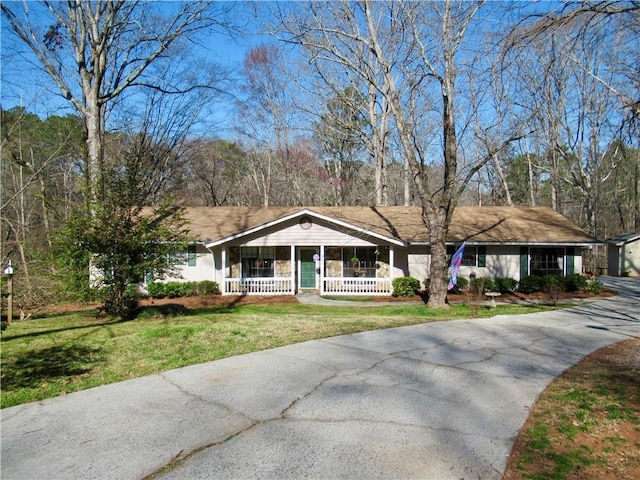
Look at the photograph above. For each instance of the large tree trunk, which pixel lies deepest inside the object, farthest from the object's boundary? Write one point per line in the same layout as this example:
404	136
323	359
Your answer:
437	225
440	215
95	144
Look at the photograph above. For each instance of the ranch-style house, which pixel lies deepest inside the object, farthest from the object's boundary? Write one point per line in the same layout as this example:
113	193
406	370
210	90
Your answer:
360	250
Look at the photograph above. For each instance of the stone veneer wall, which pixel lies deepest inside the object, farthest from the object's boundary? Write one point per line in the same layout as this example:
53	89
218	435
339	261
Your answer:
333	262
233	259
282	267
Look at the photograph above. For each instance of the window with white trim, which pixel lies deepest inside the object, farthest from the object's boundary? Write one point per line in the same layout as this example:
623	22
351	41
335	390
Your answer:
547	261
257	261
185	257
359	261
473	256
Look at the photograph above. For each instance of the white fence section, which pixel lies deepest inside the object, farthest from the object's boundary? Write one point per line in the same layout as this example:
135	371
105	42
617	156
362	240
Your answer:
357	286
259	286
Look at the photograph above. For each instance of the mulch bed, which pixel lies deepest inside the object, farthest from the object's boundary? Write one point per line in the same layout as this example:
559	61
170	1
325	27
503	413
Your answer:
504	298
233	300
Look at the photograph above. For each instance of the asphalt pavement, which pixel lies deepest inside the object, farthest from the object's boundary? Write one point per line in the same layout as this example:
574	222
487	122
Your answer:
433	401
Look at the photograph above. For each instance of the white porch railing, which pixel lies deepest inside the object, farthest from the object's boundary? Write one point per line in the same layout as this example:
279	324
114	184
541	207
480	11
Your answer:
258	286
331	286
357	286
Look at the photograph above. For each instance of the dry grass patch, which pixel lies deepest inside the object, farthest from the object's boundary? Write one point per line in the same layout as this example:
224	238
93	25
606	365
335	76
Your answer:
586	424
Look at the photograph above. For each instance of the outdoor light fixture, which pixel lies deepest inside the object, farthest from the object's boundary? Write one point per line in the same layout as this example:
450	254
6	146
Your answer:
8	269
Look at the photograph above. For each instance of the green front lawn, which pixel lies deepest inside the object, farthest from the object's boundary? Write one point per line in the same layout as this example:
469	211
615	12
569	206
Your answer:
55	355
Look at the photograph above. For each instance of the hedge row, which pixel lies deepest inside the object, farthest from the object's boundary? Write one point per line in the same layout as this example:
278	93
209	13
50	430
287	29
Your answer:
182	289
569	283
409	286
533	284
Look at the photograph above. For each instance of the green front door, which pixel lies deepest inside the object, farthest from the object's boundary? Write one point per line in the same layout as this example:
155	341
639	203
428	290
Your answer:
307	269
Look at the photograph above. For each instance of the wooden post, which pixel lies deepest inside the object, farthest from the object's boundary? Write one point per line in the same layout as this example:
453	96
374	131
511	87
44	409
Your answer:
10	300
9	273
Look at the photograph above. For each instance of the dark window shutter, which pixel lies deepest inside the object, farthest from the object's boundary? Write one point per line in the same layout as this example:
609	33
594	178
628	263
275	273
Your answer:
570	260
451	249
524	262
191	255
482	256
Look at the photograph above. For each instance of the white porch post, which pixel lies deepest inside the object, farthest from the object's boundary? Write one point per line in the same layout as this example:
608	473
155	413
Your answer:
223	254
391	265
293	269
321	289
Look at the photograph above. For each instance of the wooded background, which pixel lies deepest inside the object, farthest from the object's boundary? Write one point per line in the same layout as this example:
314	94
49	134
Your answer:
342	103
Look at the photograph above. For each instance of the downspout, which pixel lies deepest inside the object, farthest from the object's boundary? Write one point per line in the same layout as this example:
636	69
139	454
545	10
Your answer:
321	289
391	265
294	286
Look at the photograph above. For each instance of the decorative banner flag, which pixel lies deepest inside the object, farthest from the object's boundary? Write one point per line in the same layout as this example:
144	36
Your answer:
456	261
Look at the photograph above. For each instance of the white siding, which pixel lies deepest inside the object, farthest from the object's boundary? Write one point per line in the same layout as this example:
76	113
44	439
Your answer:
624	260
632	258
203	269
314	236
419	263
501	261
577	263
220	268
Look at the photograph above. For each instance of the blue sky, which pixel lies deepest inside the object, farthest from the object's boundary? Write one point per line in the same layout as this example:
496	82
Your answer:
24	83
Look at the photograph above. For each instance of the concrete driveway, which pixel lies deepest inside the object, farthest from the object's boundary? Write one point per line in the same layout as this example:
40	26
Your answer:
440	400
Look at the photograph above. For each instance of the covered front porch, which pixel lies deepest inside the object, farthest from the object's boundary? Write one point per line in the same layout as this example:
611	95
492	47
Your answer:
322	269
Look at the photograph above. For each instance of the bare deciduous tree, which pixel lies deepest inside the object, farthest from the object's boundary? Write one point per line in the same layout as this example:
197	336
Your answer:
265	117
39	159
406	55
577	77
95	51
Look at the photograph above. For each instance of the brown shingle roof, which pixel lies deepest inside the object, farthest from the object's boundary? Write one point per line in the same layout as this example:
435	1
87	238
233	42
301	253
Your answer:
515	225
475	224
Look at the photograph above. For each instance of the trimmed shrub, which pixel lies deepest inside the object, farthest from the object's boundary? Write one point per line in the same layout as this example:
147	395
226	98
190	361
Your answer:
530	284
552	283
182	289
179	289
463	283
505	285
156	290
405	286
482	284
207	287
574	283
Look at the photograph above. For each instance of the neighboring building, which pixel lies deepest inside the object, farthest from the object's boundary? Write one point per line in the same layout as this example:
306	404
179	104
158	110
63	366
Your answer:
360	250
623	252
